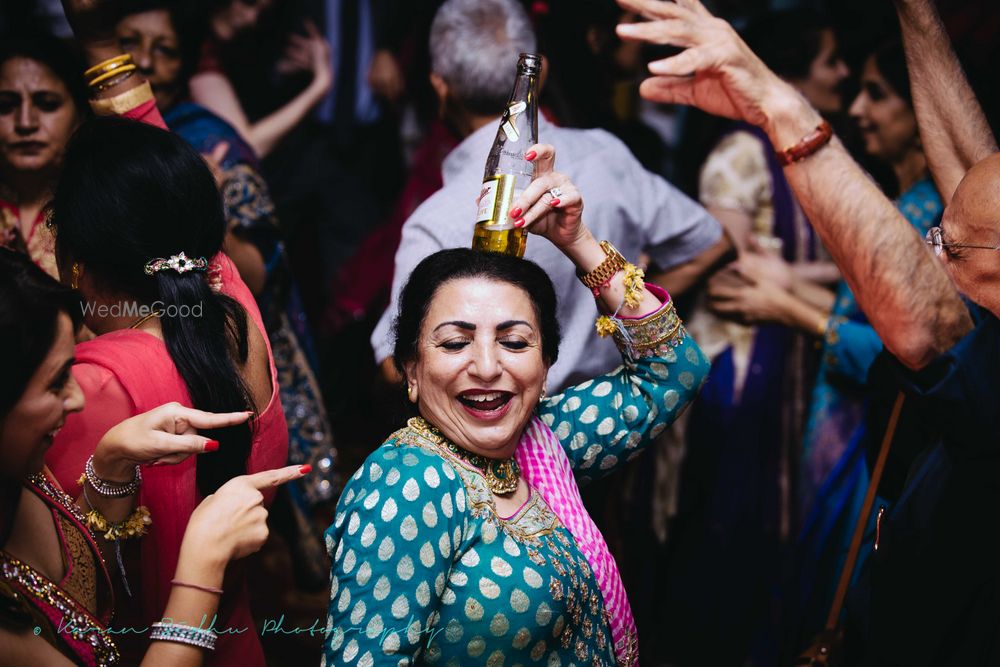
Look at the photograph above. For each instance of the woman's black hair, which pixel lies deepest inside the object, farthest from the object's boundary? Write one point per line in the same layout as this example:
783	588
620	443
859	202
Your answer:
891	63
129	193
30	303
445	265
64	62
787	41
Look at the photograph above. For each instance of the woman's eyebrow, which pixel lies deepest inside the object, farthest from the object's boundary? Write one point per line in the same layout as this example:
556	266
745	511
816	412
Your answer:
512	323
469	326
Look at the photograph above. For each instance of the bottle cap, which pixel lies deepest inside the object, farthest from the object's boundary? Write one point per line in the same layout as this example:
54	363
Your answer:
529	63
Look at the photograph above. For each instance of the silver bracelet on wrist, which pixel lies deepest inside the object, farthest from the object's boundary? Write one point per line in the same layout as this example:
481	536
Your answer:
183	634
111	489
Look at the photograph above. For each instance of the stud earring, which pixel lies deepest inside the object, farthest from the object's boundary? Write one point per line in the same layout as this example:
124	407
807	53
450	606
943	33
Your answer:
74	277
411	392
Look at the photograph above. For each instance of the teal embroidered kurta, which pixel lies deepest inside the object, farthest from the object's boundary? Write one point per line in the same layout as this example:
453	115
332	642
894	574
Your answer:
426	570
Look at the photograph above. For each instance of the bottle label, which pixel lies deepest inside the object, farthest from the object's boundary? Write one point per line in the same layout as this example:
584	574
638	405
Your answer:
495	199
509	124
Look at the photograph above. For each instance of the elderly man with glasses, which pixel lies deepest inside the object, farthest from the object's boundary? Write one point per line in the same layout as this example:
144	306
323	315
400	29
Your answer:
934	596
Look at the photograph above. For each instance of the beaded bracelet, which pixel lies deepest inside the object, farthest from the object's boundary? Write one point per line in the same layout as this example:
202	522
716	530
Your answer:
183	634
808	145
111	489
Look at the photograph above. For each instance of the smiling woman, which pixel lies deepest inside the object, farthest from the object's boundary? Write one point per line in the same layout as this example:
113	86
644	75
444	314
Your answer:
463	537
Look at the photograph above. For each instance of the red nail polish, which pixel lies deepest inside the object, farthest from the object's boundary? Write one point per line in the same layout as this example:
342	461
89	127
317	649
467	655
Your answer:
211	445
554	202
516	213
306	469
530	155
519	223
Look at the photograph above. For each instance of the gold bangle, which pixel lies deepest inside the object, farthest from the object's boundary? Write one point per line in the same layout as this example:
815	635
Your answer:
110	75
111	63
119	104
121	77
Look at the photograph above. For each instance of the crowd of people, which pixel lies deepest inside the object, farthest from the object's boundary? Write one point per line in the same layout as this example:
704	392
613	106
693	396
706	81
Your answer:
234	258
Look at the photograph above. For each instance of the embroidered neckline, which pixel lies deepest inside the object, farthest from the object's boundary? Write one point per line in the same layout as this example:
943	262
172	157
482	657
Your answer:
501	475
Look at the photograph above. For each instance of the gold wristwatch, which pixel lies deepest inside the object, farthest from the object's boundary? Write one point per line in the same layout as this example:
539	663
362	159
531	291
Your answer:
606	270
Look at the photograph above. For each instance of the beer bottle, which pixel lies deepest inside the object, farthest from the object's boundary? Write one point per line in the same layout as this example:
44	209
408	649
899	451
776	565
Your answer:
507	172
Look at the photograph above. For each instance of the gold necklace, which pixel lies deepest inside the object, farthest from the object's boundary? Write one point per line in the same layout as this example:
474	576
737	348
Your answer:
142	320
501	475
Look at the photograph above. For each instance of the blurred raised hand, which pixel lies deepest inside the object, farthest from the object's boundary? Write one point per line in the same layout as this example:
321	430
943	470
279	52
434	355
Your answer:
308	53
384	76
716	72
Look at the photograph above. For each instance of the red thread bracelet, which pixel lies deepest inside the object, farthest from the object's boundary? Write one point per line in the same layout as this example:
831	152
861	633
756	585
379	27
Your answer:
809	144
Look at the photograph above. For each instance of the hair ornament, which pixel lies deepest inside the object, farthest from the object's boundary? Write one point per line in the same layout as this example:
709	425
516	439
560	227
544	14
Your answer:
180	263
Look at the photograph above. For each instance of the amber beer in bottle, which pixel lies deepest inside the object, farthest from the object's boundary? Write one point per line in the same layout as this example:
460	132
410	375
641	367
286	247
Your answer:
507	172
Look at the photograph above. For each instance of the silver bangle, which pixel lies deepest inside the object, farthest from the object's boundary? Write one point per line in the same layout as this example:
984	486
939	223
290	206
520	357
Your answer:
183	634
111	489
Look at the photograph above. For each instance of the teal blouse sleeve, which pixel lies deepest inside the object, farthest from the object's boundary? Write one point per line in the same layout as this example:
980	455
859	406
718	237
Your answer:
607	421
399	521
851	348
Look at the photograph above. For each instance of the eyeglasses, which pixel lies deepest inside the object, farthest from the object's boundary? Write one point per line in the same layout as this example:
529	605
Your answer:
935	240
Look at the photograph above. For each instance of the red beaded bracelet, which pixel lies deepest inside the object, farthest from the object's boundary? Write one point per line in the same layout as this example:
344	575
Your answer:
809	144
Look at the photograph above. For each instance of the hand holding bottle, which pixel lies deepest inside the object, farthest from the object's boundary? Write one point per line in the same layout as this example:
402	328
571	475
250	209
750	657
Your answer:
551	206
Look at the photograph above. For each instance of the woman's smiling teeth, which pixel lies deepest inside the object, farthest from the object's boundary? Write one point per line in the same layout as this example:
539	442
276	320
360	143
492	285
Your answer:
485	401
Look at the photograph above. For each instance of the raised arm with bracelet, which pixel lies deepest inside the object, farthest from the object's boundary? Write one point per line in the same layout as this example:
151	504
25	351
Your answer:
901	287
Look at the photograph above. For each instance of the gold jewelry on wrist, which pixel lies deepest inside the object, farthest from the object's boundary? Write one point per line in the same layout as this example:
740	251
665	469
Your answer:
119	104
107	65
605	271
96	82
635	283
119	78
135	525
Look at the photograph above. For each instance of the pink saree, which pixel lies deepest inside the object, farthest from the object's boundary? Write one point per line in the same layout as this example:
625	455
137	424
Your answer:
124	373
547	468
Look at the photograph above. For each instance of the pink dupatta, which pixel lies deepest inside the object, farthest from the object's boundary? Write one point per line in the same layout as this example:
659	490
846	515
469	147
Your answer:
547	468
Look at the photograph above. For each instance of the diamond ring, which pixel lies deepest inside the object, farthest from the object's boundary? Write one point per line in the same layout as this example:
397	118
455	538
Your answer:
556	193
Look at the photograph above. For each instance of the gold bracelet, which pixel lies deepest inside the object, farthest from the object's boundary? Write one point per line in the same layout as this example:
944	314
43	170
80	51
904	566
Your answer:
120	77
135	525
119	104
106	65
96	81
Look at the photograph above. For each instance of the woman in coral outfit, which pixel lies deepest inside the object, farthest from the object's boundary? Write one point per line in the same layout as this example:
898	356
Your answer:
139	229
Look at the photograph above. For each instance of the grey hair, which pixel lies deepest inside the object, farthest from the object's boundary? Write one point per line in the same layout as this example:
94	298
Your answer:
474	47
